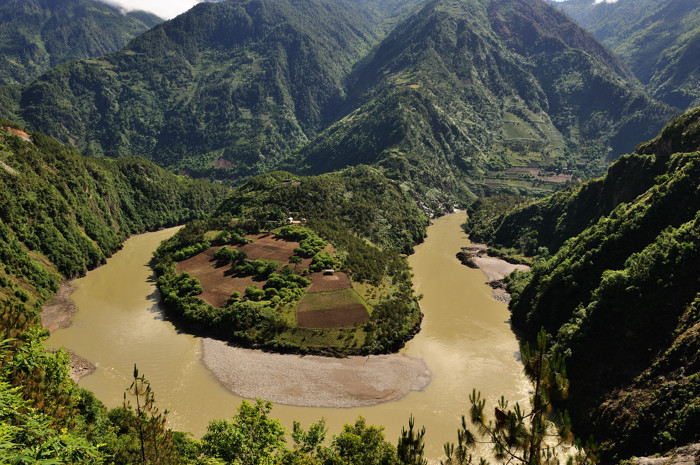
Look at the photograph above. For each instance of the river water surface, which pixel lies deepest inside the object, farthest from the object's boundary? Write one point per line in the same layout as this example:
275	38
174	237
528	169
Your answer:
465	340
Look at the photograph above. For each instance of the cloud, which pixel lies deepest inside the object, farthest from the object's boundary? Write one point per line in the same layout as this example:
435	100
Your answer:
596	2
165	9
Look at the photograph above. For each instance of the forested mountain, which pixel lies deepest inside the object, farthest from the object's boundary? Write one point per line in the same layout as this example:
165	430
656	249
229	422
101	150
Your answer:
234	83
36	35
462	88
658	39
620	292
62	214
455	91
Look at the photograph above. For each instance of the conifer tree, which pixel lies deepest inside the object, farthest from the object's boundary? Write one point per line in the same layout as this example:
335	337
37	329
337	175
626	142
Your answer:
410	447
156	441
533	438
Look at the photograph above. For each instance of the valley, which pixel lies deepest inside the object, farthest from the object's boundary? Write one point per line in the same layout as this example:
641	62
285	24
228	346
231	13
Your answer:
456	300
257	198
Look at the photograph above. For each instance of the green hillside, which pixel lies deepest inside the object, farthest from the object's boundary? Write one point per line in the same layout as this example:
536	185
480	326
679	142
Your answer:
36	35
459	97
620	291
658	39
465	90
62	214
231	84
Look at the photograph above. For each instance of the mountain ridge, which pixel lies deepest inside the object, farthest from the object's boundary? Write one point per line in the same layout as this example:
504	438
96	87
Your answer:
658	40
444	96
36	35
454	95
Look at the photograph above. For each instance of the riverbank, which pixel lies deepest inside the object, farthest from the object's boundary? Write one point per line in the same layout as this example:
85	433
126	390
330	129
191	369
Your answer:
314	381
79	366
59	309
57	314
495	269
306	381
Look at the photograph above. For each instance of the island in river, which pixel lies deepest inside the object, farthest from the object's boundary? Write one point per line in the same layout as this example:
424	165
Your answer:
466	341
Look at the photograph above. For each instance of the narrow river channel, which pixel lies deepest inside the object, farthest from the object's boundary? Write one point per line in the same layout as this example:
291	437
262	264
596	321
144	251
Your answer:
465	340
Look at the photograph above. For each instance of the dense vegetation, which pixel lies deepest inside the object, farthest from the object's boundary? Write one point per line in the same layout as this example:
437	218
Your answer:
62	214
241	82
467	89
620	291
346	209
357	199
658	39
36	35
457	92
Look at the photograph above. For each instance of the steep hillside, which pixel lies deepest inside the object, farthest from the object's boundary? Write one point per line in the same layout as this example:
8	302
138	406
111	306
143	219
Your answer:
36	35
467	89
621	294
459	91
62	214
232	84
658	39
551	221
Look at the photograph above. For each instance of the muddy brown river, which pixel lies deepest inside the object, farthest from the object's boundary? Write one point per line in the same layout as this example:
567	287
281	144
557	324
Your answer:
465	340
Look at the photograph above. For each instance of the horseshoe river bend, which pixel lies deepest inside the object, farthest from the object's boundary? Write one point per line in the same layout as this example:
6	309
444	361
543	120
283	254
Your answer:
466	342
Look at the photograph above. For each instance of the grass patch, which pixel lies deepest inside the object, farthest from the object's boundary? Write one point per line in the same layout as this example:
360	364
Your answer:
331	299
321	339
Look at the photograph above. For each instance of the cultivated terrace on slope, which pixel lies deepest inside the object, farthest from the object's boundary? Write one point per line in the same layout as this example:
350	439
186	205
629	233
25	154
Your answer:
620	292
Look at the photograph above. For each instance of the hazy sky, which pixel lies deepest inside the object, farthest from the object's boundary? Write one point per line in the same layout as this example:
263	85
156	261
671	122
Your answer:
164	8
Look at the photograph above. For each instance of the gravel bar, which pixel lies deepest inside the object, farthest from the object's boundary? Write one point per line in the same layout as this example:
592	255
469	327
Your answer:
314	381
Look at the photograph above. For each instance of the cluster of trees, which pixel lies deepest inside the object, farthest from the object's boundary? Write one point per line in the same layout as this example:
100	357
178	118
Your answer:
309	242
190	251
226	256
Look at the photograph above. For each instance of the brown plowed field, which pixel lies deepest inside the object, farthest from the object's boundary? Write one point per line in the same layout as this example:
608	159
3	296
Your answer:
338	317
338	309
332	309
217	281
321	283
269	248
